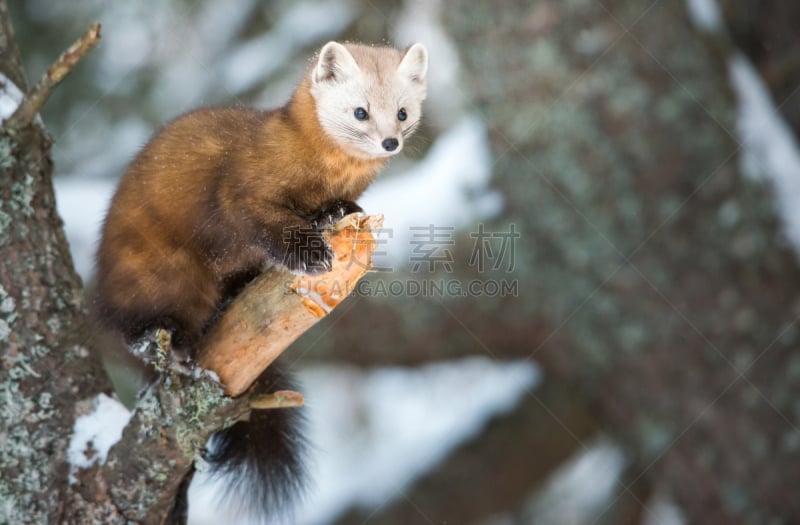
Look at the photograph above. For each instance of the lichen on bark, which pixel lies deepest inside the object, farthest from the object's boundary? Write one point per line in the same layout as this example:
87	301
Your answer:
652	274
42	349
660	265
178	414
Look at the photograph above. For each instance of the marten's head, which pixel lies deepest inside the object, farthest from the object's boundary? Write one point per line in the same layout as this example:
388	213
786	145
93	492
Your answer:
369	99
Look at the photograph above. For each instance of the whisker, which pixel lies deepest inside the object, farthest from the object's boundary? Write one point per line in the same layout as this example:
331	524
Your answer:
411	129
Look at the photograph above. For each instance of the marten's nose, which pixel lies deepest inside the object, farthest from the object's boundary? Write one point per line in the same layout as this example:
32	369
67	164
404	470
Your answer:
389	144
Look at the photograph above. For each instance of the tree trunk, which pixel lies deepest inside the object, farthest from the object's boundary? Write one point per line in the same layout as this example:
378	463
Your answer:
47	366
652	273
613	126
766	30
491	475
49	374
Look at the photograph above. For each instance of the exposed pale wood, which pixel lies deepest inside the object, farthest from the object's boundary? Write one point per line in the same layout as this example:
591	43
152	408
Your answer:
279	399
279	306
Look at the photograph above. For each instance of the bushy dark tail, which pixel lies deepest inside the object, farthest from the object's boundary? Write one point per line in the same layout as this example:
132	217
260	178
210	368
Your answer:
264	457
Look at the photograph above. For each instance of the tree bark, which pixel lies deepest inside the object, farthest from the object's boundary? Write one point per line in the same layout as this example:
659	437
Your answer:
495	473
765	30
651	272
276	309
49	374
613	127
47	363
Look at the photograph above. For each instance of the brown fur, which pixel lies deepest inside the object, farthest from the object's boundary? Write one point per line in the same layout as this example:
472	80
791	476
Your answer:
208	200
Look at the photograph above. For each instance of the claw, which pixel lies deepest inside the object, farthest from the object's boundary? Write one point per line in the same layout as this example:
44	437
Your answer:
307	252
334	211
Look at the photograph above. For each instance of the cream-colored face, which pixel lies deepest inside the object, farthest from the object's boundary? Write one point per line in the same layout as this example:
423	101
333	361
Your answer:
369	99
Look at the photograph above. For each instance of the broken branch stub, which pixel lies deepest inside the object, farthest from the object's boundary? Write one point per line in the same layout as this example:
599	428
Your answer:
279	399
278	307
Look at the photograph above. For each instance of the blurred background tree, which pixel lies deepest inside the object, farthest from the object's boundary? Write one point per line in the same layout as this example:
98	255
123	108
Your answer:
656	264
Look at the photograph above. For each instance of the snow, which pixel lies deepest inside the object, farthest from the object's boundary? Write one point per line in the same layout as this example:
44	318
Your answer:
82	203
770	150
704	14
308	22
581	489
130	47
10	97
662	511
375	432
449	187
96	432
249	62
219	23
420	21
305	23
198	372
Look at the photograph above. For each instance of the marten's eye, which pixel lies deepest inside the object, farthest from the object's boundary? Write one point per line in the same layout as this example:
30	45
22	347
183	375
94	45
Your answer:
402	115
361	114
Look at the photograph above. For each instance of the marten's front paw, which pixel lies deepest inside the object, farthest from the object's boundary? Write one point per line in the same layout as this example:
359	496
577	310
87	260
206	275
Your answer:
307	251
334	211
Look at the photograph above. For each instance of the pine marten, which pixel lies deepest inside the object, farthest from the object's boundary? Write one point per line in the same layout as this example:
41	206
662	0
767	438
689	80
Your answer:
220	194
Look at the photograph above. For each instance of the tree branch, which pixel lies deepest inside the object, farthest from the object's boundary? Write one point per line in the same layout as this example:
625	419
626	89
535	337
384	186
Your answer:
36	98
175	417
276	309
48	366
166	435
48	370
518	451
10	59
279	399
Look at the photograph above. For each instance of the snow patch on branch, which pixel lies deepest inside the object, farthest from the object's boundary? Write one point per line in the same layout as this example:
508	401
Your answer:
10	97
582	488
770	151
95	433
390	426
663	511
704	14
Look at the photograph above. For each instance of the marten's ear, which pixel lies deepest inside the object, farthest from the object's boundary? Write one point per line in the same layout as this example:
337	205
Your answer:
415	63
335	63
